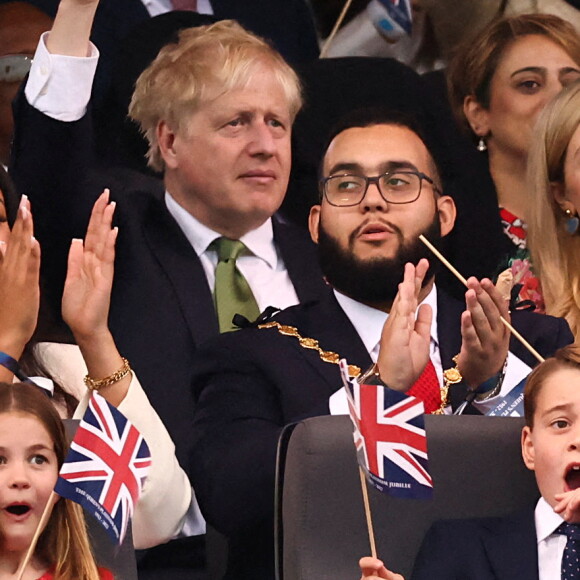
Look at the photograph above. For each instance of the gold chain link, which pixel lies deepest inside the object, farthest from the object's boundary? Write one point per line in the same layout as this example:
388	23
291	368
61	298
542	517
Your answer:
311	343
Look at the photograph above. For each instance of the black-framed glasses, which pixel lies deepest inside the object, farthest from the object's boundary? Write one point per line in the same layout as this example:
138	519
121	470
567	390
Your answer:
14	67
395	187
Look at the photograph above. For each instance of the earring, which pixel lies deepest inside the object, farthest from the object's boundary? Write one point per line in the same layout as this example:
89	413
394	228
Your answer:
481	146
572	222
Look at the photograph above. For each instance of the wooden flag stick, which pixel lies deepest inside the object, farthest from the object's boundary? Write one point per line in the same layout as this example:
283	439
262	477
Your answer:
363	483
337	25
464	282
41	525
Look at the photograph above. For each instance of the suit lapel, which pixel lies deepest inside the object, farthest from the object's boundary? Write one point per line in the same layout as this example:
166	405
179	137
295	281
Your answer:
512	550
181	264
448	327
301	260
325	321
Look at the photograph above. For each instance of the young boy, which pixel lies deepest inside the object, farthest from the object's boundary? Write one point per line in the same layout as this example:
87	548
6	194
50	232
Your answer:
538	544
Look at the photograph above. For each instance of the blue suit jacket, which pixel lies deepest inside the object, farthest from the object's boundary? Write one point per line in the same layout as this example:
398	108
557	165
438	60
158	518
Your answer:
480	549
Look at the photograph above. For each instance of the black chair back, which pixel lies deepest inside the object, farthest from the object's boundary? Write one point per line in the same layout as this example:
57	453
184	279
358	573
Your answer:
477	471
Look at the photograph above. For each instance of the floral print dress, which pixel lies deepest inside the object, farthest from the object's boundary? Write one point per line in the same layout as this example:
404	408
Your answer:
519	262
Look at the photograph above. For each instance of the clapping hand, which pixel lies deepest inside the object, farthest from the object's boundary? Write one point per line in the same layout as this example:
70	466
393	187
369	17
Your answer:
405	340
87	295
485	339
87	289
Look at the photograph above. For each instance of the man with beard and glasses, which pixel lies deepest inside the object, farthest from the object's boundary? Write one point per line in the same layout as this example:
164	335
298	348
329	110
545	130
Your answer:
380	190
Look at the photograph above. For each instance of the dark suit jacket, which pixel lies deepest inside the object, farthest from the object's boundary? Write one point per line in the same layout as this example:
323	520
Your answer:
250	384
480	549
161	307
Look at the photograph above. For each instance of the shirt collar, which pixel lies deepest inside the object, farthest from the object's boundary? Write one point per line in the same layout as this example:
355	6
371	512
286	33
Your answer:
546	519
369	322
260	241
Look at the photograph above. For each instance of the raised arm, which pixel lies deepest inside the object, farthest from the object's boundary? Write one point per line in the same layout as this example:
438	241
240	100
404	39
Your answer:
19	288
85	306
86	297
52	157
71	30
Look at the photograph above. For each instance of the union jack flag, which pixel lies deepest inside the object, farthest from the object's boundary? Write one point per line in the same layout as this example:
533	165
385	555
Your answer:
389	436
106	467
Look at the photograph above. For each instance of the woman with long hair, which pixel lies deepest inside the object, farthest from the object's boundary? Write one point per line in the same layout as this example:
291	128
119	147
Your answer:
498	85
554	185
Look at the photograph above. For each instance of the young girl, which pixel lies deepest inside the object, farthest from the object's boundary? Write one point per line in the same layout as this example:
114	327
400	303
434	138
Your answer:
158	516
32	450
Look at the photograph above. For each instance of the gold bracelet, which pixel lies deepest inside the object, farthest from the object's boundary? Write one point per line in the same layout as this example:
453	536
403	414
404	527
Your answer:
96	384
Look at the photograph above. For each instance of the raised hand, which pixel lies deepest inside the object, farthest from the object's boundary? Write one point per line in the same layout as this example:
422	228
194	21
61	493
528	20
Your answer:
71	29
373	569
19	284
485	339
86	298
405	341
87	289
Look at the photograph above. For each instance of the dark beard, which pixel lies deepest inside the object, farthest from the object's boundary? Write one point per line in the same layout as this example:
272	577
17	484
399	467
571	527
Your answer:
374	282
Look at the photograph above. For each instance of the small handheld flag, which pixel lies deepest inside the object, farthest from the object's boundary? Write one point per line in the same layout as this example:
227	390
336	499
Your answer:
389	436
106	467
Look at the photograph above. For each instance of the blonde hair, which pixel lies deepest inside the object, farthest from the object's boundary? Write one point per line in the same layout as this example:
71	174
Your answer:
184	75
555	253
474	63
64	543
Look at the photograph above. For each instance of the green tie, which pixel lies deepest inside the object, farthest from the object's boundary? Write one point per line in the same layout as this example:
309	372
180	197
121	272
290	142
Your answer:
232	294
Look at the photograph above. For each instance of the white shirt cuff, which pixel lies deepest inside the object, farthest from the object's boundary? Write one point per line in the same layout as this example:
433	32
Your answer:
516	371
60	86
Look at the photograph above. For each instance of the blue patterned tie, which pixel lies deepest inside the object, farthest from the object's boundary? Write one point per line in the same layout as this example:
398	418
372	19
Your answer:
571	558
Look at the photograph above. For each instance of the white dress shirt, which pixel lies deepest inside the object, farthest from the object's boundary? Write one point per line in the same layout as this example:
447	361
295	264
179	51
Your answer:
261	265
369	322
60	86
550	545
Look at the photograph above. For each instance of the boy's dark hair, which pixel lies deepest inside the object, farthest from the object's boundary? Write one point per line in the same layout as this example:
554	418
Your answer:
567	357
370	116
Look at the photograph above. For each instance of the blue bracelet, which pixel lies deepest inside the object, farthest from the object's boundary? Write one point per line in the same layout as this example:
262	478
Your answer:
12	365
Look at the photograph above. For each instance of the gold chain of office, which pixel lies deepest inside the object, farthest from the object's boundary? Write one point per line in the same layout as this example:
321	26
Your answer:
328	356
311	343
